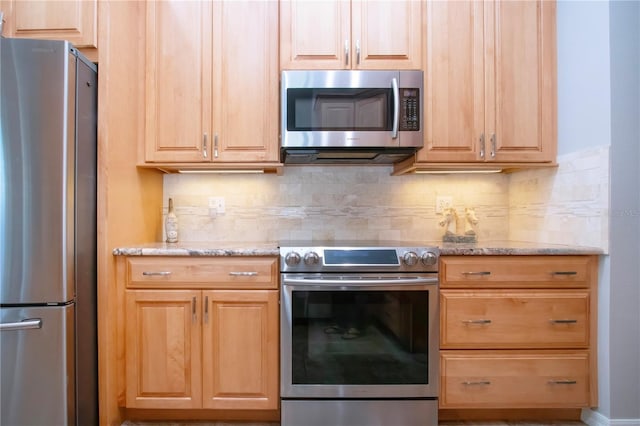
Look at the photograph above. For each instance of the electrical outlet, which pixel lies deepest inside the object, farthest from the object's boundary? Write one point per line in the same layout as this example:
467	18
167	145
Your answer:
443	202
216	204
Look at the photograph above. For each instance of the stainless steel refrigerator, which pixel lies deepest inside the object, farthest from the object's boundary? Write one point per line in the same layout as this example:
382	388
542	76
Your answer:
48	343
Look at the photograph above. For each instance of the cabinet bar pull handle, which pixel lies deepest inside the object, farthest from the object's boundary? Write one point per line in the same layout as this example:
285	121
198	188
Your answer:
477	321
479	382
564	273
357	52
243	274
482	145
346	53
204	145
156	273
206	309
477	273
194	316
563	321
493	145
215	146
562	382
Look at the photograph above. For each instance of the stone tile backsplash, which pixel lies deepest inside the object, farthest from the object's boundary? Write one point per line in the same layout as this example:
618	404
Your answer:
334	203
567	205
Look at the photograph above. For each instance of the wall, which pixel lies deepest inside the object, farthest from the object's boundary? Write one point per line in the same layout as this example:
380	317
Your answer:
567	204
333	203
624	288
583	53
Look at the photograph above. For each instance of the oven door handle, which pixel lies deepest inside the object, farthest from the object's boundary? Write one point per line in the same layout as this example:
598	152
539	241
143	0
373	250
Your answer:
359	283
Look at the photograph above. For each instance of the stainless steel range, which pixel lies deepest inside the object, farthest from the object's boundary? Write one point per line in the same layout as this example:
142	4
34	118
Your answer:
359	334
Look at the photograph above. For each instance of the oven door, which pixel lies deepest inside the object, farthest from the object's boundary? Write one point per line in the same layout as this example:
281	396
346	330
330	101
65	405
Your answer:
359	336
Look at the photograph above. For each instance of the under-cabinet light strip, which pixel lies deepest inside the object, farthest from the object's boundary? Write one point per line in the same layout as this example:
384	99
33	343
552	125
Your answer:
443	172
221	171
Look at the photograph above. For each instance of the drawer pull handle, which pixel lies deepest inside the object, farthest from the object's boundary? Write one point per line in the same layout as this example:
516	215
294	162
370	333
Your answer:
477	273
564	273
194	315
206	309
477	321
563	321
156	273
562	382
478	383
243	274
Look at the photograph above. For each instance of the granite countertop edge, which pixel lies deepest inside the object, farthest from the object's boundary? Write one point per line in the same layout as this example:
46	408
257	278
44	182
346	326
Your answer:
496	248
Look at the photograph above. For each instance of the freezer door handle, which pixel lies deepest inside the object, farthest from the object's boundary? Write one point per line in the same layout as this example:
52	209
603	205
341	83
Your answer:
25	324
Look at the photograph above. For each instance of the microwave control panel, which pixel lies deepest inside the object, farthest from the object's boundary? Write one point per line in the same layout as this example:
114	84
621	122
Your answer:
409	109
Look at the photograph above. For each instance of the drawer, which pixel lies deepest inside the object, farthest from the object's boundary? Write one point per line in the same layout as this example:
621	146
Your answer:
506	379
517	271
202	272
512	319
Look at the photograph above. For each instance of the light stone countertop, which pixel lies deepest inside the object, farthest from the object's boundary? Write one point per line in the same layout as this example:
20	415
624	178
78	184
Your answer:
516	248
498	248
213	248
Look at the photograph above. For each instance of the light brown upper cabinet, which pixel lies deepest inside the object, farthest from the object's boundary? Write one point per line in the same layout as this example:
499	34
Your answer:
211	82
490	82
356	34
72	20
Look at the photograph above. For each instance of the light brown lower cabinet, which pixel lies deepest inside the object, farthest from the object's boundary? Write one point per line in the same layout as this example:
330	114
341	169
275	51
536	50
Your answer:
499	379
201	348
518	332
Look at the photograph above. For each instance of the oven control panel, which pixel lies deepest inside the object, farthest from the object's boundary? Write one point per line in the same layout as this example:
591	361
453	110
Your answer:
358	259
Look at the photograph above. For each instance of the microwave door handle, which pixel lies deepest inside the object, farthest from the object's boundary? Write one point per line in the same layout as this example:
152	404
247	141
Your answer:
396	107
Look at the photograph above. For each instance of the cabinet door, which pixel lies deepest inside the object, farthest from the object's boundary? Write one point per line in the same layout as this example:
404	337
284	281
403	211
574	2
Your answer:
240	350
454	82
386	34
245	98
178	81
315	34
75	21
521	84
163	349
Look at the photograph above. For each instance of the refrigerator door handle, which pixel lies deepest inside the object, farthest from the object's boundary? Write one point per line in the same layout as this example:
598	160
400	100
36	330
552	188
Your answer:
25	324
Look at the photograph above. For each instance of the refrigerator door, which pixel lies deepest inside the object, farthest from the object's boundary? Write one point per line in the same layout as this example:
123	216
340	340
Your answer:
36	366
37	113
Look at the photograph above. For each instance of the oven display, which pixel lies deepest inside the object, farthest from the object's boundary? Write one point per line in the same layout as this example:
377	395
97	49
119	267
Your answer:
361	257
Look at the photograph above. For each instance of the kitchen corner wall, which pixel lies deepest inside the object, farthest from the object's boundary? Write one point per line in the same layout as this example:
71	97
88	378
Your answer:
334	203
567	205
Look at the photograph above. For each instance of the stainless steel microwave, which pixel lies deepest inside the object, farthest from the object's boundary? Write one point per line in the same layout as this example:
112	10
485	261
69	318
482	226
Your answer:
350	116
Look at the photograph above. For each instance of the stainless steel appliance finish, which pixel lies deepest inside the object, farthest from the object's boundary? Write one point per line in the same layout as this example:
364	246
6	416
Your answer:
359	332
350	116
48	333
409	412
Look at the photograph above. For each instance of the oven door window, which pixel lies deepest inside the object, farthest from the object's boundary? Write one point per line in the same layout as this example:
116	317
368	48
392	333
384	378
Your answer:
339	109
360	337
